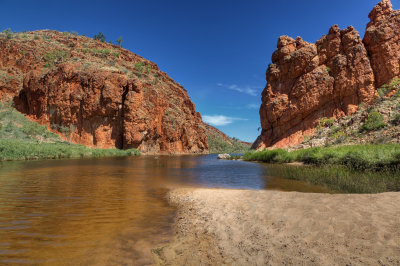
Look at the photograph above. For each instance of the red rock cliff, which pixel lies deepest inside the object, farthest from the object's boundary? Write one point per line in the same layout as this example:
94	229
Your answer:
306	82
109	96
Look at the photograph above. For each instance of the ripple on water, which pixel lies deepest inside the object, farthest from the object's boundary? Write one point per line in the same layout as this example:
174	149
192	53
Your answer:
106	211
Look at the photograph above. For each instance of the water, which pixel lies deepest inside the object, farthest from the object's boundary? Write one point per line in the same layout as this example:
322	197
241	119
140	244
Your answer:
107	211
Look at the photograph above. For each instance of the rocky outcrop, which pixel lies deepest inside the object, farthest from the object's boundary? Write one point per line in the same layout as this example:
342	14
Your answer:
382	40
306	82
104	95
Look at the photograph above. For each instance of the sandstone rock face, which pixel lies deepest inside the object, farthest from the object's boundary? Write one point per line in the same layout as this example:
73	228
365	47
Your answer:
382	40
306	82
108	96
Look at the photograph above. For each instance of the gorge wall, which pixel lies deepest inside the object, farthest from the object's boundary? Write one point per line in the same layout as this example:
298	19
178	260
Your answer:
105	96
330	78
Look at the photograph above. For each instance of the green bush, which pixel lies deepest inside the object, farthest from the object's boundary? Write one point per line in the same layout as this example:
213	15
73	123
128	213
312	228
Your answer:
140	67
373	122
326	122
100	52
8	33
387	88
395	120
34	129
55	57
100	37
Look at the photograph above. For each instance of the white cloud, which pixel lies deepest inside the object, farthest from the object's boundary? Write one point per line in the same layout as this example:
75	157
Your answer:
253	106
245	89
220	120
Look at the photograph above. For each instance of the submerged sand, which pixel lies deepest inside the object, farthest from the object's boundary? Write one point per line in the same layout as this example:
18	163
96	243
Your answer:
242	227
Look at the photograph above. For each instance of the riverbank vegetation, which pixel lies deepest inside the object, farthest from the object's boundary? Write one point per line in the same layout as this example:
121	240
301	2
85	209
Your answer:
23	139
369	157
350	169
340	179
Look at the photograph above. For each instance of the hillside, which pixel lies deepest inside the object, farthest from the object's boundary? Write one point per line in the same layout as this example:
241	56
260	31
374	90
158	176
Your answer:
23	139
377	123
219	142
307	82
107	96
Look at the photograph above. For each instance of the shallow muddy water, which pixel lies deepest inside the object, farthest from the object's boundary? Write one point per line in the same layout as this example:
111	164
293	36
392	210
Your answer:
107	211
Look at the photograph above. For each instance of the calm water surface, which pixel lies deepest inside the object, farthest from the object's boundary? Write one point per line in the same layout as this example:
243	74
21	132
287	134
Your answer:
107	211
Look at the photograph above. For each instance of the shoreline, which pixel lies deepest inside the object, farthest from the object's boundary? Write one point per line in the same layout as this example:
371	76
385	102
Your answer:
254	227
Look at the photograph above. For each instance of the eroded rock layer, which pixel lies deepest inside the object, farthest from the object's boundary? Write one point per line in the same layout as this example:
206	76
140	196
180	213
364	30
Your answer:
330	78
104	95
382	40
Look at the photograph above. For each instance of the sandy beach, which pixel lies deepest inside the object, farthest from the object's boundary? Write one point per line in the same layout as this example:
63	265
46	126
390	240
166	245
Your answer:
242	227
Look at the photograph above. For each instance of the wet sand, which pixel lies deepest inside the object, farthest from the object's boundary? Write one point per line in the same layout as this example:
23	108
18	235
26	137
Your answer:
243	227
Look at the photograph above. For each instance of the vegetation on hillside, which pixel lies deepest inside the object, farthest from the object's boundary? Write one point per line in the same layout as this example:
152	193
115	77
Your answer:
22	139
378	123
55	48
218	144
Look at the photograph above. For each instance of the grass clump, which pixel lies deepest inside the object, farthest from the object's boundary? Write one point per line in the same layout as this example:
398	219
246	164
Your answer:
373	122
326	122
387	88
55	57
140	67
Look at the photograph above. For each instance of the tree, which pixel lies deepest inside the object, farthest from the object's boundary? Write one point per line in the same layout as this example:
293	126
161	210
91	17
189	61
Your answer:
100	36
67	131
119	41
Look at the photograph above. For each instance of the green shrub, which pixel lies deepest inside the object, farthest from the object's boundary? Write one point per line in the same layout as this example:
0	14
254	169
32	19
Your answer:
8	33
373	122
34	129
339	136
100	37
55	57
387	88
140	67
395	120
100	52
326	122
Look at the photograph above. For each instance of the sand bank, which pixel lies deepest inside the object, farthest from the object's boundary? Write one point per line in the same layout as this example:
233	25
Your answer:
242	227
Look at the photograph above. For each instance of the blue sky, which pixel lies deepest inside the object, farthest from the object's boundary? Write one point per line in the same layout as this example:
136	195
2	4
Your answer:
218	50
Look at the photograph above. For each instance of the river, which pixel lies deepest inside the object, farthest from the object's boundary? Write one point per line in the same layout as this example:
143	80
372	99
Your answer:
108	211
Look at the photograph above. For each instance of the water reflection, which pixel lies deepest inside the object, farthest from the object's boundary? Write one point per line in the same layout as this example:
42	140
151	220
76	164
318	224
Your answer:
106	211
